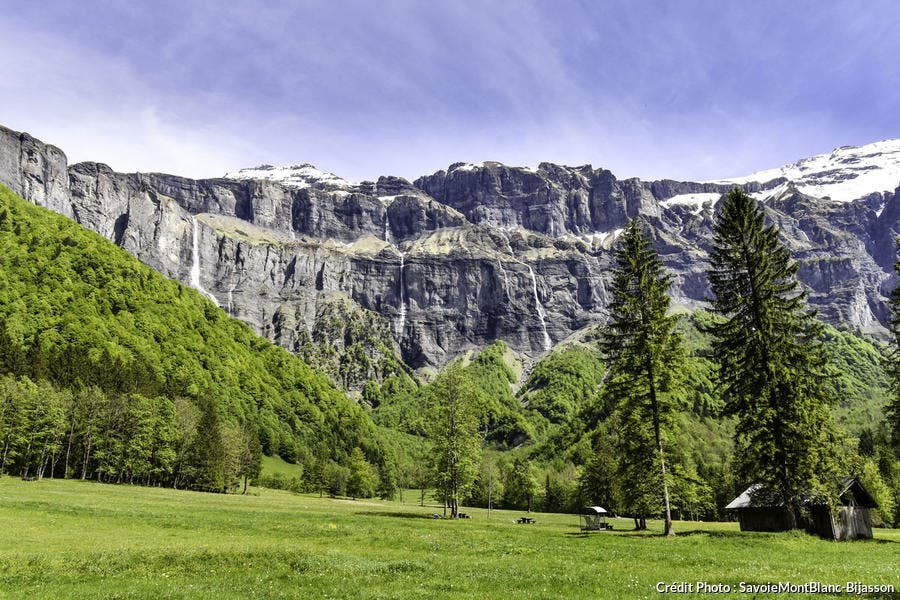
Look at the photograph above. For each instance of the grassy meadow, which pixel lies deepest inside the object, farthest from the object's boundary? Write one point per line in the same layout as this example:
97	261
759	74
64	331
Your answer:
72	539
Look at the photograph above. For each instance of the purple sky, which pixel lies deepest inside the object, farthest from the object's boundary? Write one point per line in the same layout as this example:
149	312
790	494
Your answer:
684	90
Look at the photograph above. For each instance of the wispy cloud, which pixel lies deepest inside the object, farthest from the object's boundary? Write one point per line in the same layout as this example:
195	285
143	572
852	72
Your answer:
688	90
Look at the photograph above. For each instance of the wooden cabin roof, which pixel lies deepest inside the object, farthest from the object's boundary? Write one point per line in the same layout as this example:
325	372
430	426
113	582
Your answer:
850	491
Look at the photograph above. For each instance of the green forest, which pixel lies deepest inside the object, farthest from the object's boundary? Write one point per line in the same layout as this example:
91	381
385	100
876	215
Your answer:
111	372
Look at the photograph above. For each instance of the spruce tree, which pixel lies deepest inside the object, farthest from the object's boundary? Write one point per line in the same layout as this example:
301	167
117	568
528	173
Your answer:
362	481
207	455
771	362
644	353
893	407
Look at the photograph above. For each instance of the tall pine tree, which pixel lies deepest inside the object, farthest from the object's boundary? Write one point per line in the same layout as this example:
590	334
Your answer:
644	353
893	408
771	362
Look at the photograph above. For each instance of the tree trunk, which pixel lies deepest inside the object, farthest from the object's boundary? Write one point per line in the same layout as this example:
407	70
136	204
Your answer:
659	446
69	445
66	461
5	451
490	491
84	464
27	453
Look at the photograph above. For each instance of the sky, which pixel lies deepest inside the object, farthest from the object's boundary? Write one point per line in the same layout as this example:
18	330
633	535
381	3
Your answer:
687	90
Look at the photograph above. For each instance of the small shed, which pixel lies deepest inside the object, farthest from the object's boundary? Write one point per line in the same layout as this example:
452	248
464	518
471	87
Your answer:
851	521
761	510
593	518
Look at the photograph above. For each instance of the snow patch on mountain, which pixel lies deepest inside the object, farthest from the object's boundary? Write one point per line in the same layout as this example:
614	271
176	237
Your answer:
776	193
846	174
597	239
298	176
696	201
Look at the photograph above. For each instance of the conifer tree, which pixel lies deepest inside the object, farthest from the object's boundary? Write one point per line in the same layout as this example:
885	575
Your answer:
644	353
771	364
207	455
362	480
520	484
893	407
250	456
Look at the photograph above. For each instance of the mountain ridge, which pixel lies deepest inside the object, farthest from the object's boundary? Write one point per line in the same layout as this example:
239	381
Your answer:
849	157
455	259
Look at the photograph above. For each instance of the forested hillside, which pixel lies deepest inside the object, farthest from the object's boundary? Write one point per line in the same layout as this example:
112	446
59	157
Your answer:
115	372
552	438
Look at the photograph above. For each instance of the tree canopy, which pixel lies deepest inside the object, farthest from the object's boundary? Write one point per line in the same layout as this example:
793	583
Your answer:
80	313
453	431
645	355
772	364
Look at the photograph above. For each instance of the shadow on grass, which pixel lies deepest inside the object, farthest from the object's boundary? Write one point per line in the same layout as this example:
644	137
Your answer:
712	534
756	534
396	515
638	533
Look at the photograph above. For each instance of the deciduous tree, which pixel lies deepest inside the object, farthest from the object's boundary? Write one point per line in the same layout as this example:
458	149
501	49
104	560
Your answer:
453	431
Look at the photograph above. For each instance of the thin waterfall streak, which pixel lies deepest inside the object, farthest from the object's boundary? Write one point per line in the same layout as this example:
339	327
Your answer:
542	315
195	263
402	314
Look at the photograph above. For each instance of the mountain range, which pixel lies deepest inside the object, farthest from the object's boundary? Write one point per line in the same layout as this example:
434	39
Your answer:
456	259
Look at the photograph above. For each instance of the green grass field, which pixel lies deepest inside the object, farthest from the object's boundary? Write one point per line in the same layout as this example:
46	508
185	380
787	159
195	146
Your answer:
274	464
65	539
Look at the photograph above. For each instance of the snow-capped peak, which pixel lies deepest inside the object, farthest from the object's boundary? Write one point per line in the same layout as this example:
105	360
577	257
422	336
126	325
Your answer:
847	173
299	176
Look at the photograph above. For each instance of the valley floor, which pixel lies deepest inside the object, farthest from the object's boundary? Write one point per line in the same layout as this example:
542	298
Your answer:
67	539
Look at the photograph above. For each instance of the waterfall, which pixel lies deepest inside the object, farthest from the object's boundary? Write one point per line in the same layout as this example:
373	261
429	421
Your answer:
402	318
548	343
388	235
231	299
542	316
195	263
508	246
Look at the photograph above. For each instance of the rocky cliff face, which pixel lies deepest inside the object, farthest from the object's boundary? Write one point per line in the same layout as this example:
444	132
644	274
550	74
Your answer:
453	261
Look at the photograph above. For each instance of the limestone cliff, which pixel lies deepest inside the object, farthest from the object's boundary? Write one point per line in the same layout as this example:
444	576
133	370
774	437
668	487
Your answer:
453	261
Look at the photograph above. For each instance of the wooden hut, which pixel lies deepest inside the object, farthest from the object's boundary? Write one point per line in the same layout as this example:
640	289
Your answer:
760	510
851	520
